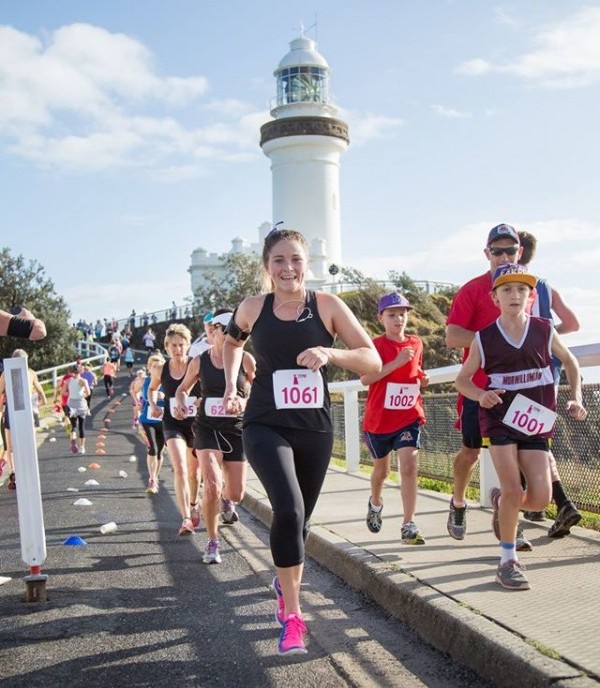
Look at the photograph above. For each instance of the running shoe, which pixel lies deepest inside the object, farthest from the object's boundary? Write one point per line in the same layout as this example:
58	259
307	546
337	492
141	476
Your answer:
82	450
522	543
195	515
495	499
211	553
12	482
229	515
410	534
291	640
457	521
510	576
280	611
152	488
374	518
537	516
567	517
186	527
74	449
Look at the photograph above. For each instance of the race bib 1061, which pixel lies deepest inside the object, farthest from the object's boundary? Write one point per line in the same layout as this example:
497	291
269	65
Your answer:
190	406
400	396
298	389
529	417
213	407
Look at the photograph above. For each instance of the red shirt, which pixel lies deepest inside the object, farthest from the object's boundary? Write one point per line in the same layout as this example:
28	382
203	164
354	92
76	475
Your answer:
473	309
379	419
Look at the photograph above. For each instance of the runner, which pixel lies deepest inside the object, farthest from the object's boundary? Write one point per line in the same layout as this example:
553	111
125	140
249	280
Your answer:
77	389
151	428
178	433
287	431
217	438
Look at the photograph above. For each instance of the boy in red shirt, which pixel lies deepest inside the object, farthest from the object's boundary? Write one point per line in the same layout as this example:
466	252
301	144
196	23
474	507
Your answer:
394	413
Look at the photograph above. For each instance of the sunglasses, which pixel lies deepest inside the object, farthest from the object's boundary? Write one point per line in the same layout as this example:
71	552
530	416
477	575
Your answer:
508	250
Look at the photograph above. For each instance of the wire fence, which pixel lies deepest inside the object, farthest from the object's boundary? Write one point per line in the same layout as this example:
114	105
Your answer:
576	445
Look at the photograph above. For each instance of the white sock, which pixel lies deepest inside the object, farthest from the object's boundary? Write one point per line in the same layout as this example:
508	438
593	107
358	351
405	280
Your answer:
508	552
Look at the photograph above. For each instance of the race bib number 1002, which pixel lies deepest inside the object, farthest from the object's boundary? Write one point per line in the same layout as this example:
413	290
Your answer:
298	389
529	417
399	397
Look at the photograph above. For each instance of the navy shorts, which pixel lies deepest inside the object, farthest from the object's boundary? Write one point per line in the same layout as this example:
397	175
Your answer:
469	424
380	445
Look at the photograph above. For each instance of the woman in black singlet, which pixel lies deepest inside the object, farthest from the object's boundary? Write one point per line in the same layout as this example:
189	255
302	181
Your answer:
287	428
178	433
217	436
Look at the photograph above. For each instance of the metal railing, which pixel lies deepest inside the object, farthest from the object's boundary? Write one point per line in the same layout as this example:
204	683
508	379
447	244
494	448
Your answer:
93	353
576	445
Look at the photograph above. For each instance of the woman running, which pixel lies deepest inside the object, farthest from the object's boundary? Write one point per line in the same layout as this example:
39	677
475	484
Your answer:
217	436
287	427
178	433
151	428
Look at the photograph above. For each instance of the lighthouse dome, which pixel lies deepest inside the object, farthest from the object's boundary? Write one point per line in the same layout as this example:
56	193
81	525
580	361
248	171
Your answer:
303	52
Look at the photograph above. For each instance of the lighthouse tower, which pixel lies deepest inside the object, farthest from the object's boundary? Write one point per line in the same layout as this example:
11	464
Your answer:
304	142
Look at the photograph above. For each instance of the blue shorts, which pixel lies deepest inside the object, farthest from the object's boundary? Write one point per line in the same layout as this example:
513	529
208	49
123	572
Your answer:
380	445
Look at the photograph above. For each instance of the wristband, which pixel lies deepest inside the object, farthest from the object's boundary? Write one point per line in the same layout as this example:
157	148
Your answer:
19	327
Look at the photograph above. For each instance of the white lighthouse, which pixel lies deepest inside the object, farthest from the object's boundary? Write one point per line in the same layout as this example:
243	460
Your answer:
304	142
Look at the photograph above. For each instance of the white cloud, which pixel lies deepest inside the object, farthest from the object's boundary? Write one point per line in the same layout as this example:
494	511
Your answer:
87	99
367	127
565	55
452	113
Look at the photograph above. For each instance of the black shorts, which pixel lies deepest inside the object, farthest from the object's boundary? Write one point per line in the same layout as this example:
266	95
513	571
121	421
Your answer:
172	430
469	424
532	443
228	441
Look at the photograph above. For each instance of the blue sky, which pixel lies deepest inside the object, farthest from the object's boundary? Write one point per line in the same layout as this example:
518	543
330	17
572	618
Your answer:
129	137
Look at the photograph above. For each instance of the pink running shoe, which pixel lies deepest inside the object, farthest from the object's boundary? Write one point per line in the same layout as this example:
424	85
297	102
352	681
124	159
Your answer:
280	611
186	527
291	641
195	515
74	449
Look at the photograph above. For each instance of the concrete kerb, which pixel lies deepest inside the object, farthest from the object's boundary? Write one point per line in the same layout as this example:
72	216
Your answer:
471	639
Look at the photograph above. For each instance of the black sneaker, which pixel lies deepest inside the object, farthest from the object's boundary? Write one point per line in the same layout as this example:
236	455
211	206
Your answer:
457	521
567	517
374	518
536	516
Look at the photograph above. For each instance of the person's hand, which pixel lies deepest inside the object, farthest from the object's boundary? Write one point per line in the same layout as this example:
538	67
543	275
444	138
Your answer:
491	397
404	356
232	402
155	411
575	410
313	358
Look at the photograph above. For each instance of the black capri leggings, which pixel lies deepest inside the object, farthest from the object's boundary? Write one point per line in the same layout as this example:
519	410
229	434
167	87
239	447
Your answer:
291	464
156	438
77	425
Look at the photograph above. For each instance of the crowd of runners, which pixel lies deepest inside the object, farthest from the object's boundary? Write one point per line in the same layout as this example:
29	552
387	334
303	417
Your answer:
211	406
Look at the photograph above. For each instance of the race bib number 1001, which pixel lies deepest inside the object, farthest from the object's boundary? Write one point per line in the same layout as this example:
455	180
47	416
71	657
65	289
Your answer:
298	389
529	417
399	397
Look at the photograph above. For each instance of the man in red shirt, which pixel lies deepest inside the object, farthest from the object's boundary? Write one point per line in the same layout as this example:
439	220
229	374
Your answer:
472	309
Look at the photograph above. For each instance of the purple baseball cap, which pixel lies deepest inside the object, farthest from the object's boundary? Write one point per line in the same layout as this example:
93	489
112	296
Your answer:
503	232
513	272
393	300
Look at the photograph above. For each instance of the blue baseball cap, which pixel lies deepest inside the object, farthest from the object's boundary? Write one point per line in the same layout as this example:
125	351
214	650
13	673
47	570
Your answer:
503	232
393	300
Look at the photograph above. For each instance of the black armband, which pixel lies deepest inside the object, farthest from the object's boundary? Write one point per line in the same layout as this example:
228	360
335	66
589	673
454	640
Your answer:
19	327
234	331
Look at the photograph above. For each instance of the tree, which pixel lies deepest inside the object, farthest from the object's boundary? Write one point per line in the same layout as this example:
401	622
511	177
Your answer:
24	283
241	278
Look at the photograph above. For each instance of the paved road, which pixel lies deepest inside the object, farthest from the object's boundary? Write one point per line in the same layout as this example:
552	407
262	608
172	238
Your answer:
138	608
